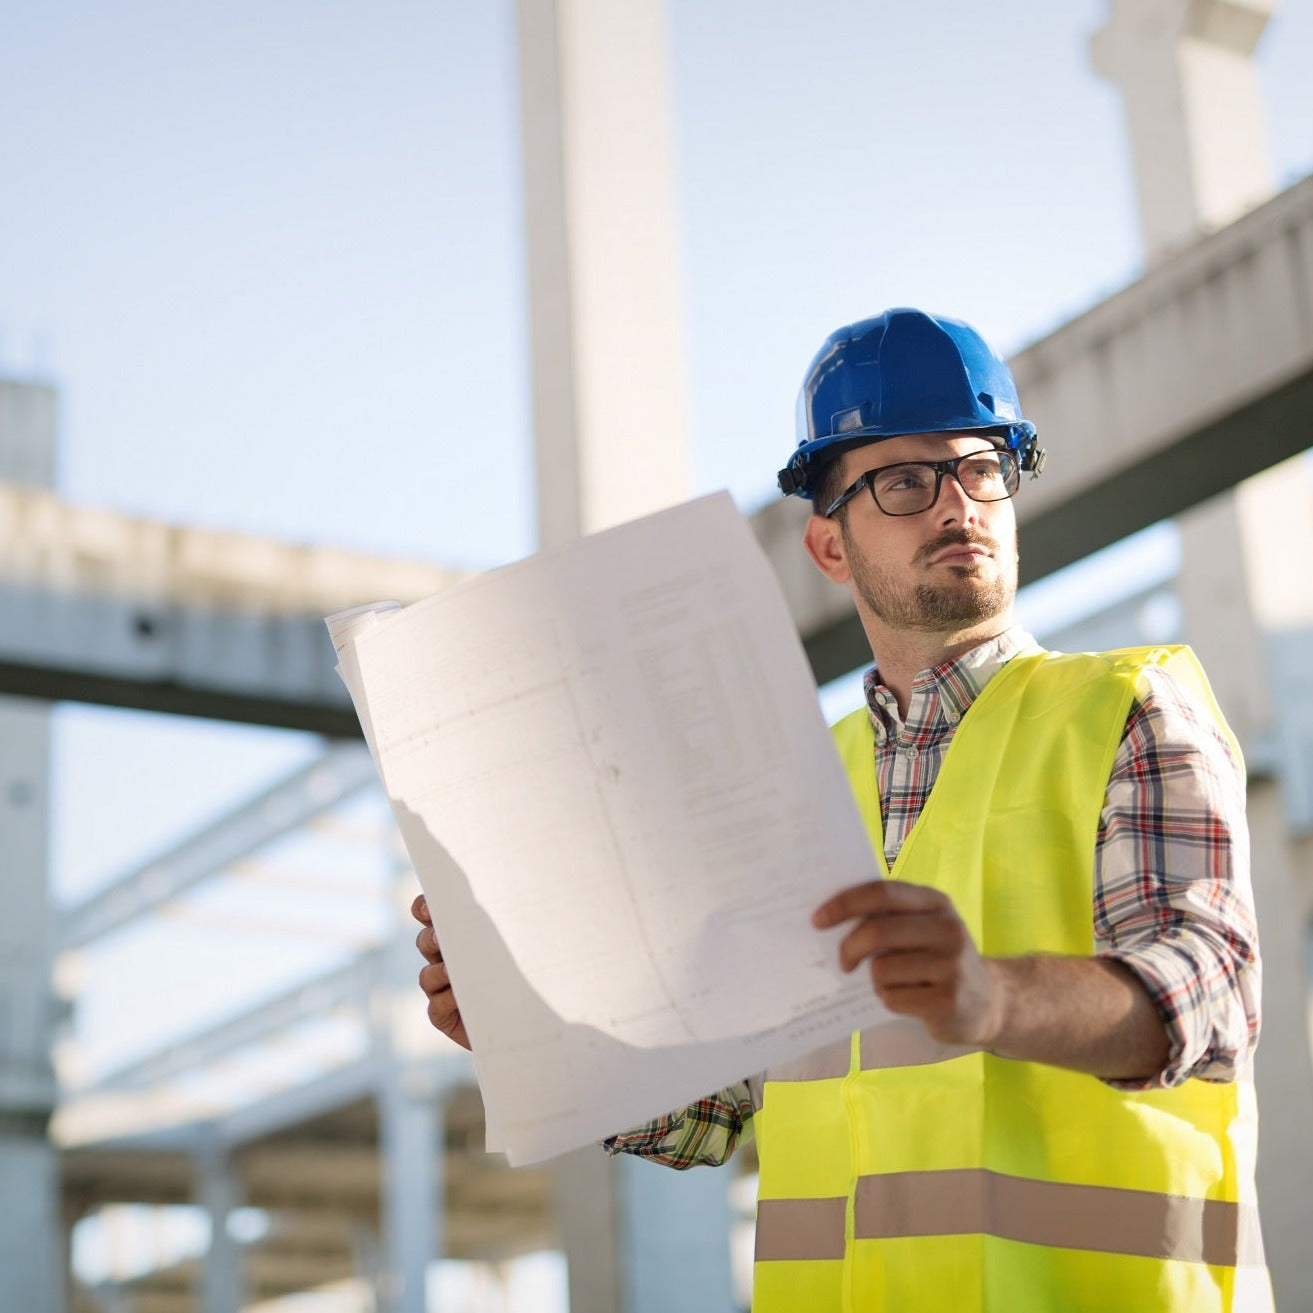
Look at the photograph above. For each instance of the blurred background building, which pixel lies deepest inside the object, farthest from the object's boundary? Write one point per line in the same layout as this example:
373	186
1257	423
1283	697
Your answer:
425	286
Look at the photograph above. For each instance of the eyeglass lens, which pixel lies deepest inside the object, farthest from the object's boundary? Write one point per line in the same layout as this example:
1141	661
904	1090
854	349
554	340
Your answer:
907	489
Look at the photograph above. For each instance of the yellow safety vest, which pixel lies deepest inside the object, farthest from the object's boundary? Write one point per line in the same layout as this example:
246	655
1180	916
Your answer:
901	1175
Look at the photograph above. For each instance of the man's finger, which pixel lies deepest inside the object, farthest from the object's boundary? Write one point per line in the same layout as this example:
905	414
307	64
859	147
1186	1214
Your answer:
427	943
419	909
881	936
435	979
444	1015
876	898
910	970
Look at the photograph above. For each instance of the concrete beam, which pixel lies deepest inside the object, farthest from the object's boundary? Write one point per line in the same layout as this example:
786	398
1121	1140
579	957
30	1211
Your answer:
131	1123
1191	379
350	986
110	609
1175	389
281	809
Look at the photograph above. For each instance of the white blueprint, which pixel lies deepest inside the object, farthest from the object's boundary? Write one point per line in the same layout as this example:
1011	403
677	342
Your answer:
616	787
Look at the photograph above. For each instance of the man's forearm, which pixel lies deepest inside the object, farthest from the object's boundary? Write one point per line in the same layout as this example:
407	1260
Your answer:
1085	1014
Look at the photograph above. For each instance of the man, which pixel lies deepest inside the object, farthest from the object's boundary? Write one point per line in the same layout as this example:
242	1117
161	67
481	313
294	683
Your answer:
1070	1124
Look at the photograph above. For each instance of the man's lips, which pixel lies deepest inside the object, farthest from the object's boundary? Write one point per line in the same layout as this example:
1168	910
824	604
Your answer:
961	555
958	551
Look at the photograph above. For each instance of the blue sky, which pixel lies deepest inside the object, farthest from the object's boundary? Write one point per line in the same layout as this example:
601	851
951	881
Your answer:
271	255
271	252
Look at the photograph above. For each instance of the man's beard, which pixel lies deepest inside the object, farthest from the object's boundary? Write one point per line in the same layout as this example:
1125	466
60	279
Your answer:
964	600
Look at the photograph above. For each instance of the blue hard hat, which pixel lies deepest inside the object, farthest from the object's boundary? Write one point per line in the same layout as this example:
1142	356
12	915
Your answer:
903	372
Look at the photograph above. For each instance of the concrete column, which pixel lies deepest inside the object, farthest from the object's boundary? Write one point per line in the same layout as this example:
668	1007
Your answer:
1198	142
222	1284
30	1276
588	1208
606	340
411	1133
1283	878
621	1221
684	1213
411	1095
1218	618
605	311
111	1299
28	417
1236	583
1274	512
368	1260
1190	93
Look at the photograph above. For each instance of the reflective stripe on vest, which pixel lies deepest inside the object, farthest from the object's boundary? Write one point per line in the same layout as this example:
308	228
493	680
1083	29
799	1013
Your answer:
899	1205
898	1173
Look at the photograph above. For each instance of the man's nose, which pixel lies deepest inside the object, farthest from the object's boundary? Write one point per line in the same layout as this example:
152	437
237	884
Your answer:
953	506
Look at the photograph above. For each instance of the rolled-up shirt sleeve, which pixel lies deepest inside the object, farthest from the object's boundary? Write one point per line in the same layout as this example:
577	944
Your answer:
1172	893
704	1133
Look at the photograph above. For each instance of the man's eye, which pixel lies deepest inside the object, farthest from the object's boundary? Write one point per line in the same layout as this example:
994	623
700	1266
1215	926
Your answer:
904	480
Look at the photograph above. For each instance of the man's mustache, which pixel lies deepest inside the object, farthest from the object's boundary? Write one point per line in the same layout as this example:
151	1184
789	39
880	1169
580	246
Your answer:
955	538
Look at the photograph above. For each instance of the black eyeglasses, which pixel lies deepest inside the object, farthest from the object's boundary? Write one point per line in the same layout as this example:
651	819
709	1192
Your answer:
913	485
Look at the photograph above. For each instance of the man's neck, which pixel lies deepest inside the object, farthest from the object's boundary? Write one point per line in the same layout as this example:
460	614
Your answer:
902	654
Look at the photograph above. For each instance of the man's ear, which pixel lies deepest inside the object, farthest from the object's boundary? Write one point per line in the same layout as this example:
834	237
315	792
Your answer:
824	543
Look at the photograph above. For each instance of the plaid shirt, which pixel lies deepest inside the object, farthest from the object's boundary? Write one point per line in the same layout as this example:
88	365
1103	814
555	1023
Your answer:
1172	896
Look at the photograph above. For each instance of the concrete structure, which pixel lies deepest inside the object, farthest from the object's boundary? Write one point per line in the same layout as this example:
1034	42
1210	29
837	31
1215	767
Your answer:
1248	266
1197	376
1191	379
610	443
1193	111
30	1241
107	608
1199	146
314	1166
605	309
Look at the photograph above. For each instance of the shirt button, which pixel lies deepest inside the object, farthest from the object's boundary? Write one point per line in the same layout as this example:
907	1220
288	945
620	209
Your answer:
951	716
909	753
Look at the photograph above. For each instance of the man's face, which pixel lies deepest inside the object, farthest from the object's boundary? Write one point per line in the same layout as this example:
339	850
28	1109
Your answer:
942	570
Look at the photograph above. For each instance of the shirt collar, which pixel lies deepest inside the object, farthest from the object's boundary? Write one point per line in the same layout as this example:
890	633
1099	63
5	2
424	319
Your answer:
944	692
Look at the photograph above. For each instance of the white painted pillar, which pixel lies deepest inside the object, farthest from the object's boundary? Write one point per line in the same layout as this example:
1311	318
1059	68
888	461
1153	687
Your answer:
222	1271
411	1098
1220	623
111	1299
367	1259
640	1238
587	1196
30	1236
610	440
1274	515
411	1132
605	309
1190	93
676	1213
1194	115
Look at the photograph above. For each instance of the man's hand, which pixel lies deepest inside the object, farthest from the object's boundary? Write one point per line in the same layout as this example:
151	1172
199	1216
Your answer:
1089	1014
434	980
922	959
